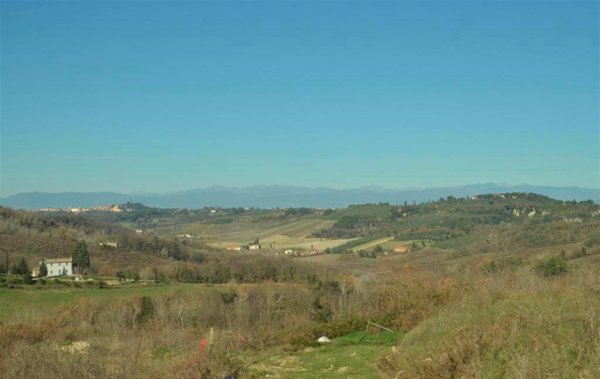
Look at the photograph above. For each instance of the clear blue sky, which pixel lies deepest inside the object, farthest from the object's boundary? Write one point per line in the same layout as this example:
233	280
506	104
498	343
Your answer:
165	96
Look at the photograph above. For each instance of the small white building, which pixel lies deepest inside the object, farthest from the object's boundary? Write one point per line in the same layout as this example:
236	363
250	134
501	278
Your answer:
59	266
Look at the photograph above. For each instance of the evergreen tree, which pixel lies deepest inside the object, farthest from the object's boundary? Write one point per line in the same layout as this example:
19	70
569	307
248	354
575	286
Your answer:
43	269
81	257
21	268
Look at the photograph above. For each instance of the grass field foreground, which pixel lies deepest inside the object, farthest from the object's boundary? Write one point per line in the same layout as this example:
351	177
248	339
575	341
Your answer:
31	303
514	326
350	356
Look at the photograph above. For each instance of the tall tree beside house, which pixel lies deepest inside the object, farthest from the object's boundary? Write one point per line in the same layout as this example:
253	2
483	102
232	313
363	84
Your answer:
81	257
43	269
21	268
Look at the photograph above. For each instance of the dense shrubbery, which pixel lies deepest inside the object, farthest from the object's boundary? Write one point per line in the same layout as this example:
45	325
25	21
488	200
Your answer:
241	268
156	246
552	266
512	326
43	222
500	265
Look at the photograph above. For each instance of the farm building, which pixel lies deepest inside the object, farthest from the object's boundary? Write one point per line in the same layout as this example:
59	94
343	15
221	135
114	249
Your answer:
59	266
109	244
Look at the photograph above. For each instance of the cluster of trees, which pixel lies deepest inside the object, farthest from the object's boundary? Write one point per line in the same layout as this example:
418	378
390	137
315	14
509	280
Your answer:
348	246
243	268
434	234
374	253
143	217
456	221
153	245
43	222
81	259
350	226
21	269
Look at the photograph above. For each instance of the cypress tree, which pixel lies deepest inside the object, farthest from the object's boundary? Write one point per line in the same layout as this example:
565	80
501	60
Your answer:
81	257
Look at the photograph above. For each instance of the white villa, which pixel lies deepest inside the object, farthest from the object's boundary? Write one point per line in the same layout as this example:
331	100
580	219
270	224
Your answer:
59	266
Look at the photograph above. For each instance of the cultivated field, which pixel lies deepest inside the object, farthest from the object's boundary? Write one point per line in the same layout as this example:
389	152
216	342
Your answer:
369	245
272	234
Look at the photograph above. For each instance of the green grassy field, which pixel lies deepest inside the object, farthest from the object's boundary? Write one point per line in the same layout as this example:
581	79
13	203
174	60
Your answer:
350	356
283	242
31	303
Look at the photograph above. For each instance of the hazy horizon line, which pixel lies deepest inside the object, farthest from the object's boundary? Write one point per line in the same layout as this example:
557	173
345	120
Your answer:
368	186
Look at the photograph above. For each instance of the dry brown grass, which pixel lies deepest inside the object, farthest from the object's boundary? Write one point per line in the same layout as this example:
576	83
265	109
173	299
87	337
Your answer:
160	336
516	325
467	325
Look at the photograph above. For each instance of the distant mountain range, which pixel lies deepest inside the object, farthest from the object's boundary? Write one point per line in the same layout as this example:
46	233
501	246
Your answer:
284	196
